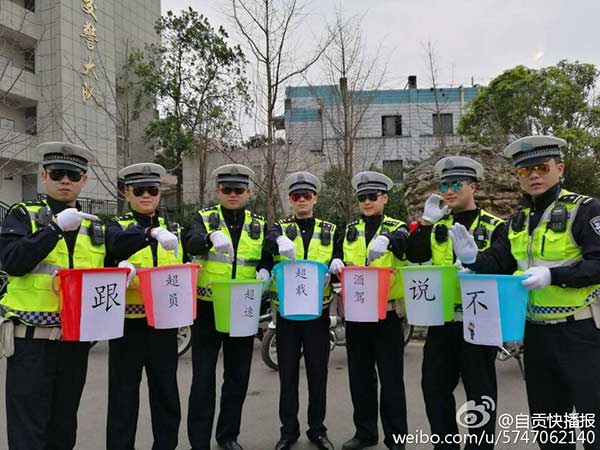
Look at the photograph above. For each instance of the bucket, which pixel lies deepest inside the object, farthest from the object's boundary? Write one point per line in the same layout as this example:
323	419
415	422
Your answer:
169	294
365	293
429	294
237	306
494	308
92	303
300	287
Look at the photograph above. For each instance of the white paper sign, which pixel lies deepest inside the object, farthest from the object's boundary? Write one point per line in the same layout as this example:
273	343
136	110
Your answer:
245	309
102	306
301	283
423	297
360	295
173	297
481	312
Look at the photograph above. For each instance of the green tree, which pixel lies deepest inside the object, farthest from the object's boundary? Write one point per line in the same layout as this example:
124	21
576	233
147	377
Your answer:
560	100
199	83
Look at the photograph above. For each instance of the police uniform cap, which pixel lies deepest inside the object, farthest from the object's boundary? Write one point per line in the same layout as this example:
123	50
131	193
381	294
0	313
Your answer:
142	174
458	167
302	182
64	155
233	175
371	182
532	150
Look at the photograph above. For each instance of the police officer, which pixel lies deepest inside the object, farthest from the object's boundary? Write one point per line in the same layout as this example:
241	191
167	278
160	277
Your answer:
377	240
228	241
45	376
145	239
302	236
446	356
554	238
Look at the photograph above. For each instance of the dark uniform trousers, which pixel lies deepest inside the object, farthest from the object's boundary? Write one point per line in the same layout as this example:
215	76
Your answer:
44	383
562	363
237	359
312	338
380	345
155	350
446	359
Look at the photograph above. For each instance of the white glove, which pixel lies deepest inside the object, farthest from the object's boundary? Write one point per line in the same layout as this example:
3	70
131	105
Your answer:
539	278
127	265
263	274
336	266
378	247
463	244
286	247
70	219
221	243
432	212
166	239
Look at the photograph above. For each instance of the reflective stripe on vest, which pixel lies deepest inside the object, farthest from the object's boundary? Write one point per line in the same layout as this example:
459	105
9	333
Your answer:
29	297
551	249
355	254
316	252
216	266
442	253
134	308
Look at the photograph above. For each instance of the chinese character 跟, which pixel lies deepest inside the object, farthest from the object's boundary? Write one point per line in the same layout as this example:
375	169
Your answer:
419	291
106	295
474	301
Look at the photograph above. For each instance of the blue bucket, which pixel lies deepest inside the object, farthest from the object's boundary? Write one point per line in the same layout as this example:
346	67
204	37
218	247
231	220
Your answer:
311	267
512	298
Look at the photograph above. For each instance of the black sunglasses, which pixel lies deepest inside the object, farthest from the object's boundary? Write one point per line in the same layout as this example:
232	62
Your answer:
372	197
229	190
59	174
138	191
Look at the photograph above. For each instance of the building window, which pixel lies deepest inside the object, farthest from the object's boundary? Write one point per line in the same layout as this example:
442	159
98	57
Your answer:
7	124
391	125
31	120
393	169
29	57
442	124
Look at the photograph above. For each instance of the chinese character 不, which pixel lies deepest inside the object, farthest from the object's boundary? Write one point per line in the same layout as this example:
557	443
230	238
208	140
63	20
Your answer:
249	294
89	8
359	280
89	35
172	280
301	290
474	301
420	290
248	311
90	68
301	273
173	300
106	295
359	296
87	92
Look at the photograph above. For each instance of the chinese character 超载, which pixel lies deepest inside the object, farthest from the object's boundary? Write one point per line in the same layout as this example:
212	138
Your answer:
301	273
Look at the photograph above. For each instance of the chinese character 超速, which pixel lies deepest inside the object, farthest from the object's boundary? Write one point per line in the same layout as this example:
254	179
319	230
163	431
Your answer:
249	294
419	291
106	295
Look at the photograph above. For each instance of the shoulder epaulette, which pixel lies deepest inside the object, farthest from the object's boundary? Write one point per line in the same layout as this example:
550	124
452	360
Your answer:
355	222
391	223
490	219
288	219
573	198
35	203
209	208
257	216
127	216
325	224
19	206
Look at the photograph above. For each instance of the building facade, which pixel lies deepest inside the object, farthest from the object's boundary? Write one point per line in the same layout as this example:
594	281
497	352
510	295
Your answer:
59	62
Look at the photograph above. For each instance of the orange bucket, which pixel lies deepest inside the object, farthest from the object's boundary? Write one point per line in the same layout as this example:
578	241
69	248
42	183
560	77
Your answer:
365	292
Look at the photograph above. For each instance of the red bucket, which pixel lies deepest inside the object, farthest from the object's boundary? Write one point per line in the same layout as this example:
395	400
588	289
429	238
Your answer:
169	294
365	292
92	303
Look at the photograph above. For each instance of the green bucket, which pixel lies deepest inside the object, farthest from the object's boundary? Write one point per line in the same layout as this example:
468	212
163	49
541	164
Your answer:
429	294
237	306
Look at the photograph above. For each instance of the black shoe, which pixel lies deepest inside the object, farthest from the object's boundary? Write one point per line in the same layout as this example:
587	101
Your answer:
284	444
230	445
358	444
322	442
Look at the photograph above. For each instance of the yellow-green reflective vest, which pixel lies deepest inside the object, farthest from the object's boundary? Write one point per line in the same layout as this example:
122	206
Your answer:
134	308
442	253
549	248
29	297
317	250
355	252
216	266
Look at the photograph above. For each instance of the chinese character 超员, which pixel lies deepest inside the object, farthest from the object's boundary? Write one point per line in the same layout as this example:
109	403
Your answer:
359	296
172	280
173	300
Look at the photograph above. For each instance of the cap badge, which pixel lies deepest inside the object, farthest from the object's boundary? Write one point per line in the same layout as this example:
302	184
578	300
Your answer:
525	146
